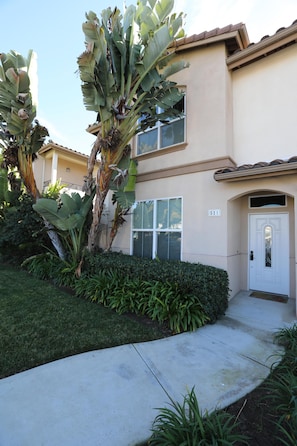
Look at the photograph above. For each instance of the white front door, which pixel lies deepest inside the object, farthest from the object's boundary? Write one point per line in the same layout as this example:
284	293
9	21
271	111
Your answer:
269	253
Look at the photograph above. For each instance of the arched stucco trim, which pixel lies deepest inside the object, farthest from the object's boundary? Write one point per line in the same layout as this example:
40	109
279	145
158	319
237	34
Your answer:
237	235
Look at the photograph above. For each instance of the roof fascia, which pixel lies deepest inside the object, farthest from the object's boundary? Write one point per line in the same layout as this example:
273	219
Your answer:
263	48
56	147
258	172
240	35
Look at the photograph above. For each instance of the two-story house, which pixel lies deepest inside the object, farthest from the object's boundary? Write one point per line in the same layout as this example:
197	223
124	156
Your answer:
58	163
219	186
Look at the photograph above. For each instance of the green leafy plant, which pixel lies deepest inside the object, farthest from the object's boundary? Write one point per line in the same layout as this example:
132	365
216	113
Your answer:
287	337
126	75
48	266
128	284
21	230
53	190
159	301
69	215
282	386
201	284
185	424
97	288
288	438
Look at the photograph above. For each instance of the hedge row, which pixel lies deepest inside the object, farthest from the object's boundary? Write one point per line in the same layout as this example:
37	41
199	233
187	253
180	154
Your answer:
184	295
208	284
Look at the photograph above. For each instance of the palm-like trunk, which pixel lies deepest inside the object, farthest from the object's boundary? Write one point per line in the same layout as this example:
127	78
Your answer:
25	166
109	157
26	172
102	187
122	82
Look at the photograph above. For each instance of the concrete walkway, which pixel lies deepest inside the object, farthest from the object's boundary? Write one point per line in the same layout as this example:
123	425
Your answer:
109	397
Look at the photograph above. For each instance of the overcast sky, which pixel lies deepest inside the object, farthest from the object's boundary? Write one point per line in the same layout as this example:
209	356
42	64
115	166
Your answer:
53	30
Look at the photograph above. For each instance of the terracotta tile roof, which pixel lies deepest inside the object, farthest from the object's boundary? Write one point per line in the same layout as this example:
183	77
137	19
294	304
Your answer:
235	37
283	37
53	145
277	31
207	34
246	171
236	44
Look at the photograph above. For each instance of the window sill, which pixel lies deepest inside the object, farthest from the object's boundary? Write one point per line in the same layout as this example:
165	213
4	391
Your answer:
160	152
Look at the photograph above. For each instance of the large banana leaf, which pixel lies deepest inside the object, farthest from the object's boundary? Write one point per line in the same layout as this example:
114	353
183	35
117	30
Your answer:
124	199
68	215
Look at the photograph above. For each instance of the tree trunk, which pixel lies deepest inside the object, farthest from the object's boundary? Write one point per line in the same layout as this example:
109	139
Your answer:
118	220
55	239
27	174
111	151
102	187
89	182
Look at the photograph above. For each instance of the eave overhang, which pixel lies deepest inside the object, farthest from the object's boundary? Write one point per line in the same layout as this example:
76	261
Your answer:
259	170
268	45
235	38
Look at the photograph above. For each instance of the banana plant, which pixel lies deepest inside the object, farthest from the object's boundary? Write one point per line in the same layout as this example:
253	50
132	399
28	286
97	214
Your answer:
69	216
125	73
21	135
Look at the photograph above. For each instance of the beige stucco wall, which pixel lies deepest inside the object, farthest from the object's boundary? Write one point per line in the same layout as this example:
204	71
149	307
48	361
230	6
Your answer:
264	108
71	169
218	241
248	115
208	111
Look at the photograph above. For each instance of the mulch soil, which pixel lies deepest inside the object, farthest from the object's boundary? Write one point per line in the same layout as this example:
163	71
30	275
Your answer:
255	415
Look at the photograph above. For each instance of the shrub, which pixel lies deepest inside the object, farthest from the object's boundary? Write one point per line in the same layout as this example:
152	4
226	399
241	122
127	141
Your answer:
184	424
97	288
287	337
282	386
21	231
159	301
183	295
209	285
48	266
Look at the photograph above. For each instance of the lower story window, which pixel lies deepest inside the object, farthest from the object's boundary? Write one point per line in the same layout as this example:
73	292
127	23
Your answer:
157	229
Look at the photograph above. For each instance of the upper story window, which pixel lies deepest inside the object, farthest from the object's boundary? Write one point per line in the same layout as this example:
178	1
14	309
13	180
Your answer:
163	135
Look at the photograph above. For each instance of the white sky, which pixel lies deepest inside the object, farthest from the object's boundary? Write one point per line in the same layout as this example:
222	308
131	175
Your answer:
53	30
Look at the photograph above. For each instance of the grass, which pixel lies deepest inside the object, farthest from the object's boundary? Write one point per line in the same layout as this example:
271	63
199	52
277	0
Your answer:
41	323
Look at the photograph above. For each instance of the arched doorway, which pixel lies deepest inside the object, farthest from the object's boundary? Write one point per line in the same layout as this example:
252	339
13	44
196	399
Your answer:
261	242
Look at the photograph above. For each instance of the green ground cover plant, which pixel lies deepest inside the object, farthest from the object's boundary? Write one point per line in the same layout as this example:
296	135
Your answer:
41	323
183	295
185	424
282	384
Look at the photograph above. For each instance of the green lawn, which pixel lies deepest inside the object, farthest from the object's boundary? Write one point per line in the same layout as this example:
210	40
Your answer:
40	323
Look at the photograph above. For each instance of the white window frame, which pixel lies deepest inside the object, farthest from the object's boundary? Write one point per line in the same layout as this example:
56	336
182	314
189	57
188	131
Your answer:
155	230
158	126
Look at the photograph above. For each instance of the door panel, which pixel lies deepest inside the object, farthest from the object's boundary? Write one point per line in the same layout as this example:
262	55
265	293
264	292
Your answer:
269	253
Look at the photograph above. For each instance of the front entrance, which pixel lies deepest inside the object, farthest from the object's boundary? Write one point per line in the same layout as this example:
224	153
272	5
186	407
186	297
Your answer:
269	253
